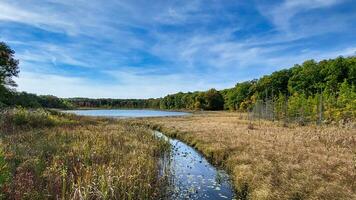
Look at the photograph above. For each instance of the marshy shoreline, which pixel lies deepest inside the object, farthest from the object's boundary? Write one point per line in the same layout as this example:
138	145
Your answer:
268	160
48	154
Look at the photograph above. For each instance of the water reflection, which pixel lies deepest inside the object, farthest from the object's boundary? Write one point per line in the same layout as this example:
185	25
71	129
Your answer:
122	113
191	176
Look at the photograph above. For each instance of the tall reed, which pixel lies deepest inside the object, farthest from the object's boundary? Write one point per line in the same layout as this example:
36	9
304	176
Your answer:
77	158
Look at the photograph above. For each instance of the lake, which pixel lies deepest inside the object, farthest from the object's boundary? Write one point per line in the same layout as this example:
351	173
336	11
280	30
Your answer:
126	113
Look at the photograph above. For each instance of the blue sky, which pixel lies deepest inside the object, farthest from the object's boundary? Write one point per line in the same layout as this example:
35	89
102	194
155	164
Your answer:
142	48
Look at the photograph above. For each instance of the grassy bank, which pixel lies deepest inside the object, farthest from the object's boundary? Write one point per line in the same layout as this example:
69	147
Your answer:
269	161
47	155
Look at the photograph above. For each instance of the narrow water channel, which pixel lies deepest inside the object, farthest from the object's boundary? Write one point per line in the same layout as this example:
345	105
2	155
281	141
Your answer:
191	176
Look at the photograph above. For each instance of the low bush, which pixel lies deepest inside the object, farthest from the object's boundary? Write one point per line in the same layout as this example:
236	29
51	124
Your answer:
24	118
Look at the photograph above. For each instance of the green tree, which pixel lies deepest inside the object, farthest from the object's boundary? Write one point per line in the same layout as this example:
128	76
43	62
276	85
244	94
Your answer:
281	107
351	64
336	71
297	107
306	78
239	94
8	66
346	101
199	102
8	69
213	100
270	86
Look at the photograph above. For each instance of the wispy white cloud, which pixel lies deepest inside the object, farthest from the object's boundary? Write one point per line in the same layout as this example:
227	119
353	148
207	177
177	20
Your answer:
52	54
281	14
144	83
129	85
40	17
163	47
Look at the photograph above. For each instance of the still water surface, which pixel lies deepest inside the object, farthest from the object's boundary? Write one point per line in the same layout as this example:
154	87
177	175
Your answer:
190	175
123	113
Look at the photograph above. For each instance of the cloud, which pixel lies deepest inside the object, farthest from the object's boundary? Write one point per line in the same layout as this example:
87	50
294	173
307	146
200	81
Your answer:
179	13
15	13
281	14
129	85
117	48
132	82
52	54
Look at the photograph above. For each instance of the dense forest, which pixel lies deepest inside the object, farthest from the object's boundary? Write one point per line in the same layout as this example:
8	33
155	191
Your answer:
114	103
330	77
311	91
27	100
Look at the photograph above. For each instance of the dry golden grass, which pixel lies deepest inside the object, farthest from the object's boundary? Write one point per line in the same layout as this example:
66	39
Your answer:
88	159
271	161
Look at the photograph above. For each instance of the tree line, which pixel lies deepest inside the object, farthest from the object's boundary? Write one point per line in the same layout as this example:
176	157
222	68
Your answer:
115	103
11	98
312	90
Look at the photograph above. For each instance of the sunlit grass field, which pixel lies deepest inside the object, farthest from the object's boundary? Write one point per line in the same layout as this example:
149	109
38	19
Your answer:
267	160
49	155
54	156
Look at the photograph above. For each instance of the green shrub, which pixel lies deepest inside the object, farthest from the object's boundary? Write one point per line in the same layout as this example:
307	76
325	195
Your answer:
21	117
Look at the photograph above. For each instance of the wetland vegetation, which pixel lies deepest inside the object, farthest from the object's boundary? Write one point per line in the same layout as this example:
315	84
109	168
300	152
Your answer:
58	156
267	160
